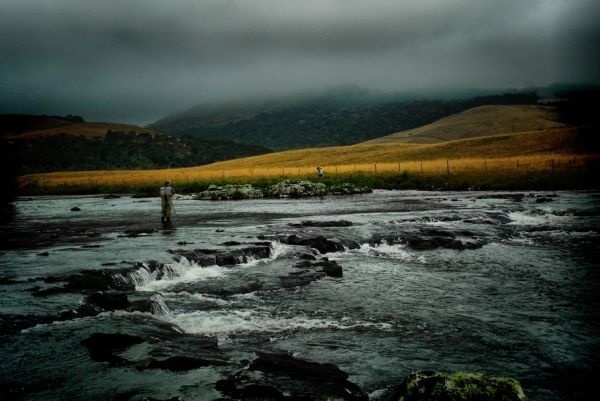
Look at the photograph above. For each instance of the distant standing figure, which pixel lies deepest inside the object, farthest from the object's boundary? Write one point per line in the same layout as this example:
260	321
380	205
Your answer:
320	171
166	201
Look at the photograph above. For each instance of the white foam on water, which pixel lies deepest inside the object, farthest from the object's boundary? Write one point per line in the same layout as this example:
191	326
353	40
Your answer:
539	217
278	249
222	323
387	251
199	297
183	271
159	307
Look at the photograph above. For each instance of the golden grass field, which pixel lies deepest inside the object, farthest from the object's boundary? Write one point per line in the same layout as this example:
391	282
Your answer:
516	153
550	146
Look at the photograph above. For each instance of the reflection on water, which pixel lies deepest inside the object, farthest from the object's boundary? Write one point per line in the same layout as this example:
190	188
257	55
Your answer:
448	281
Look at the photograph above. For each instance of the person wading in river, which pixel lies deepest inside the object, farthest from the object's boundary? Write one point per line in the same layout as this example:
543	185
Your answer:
166	201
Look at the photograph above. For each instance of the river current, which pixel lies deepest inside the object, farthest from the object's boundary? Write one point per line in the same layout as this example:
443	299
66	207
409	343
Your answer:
500	283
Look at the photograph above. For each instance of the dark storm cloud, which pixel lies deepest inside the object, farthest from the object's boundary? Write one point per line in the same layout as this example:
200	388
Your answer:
140	60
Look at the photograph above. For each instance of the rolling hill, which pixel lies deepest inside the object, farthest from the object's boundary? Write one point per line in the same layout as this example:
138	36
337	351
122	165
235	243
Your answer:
33	144
339	117
479	122
541	150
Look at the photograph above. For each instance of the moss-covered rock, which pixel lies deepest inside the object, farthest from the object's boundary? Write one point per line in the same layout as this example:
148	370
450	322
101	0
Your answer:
347	188
230	192
460	386
296	189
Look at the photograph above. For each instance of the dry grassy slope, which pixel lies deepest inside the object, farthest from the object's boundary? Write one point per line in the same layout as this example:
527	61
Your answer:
556	140
478	122
89	130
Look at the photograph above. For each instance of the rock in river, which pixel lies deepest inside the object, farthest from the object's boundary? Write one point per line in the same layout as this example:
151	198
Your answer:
271	375
460	386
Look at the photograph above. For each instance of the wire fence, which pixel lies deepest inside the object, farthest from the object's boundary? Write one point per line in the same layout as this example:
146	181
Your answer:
514	165
490	166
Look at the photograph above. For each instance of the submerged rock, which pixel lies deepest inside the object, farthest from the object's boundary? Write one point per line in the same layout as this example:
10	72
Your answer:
182	363
109	301
460	386
106	347
337	223
229	257
320	243
329	267
274	376
431	238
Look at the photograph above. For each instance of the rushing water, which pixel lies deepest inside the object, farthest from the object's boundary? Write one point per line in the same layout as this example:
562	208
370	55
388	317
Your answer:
518	297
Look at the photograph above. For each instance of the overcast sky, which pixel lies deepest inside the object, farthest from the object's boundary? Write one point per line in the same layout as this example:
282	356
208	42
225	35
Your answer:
140	60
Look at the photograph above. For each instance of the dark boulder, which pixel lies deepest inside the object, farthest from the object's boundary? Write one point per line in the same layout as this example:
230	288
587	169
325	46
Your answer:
89	281
76	209
301	278
337	223
320	243
248	391
331	268
308	256
106	347
109	300
429	243
86	281
230	257
284	377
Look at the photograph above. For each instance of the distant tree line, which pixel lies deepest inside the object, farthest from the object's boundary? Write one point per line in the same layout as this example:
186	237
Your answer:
118	150
331	123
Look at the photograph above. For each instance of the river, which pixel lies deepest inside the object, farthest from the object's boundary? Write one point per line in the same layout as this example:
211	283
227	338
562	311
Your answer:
501	283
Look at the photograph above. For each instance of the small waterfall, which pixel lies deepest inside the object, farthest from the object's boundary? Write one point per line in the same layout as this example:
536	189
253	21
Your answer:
159	307
142	275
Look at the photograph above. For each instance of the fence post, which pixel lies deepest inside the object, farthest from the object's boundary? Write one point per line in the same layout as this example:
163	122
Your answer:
552	165
399	168
421	167
517	165
447	166
336	169
375	168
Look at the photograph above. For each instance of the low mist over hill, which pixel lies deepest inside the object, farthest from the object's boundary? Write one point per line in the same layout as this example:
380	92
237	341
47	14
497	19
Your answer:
339	117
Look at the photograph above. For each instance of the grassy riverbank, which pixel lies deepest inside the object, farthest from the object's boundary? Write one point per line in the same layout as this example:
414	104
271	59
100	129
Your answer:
582	177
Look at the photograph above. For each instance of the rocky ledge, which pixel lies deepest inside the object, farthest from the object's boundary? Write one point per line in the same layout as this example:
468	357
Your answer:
283	189
280	376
